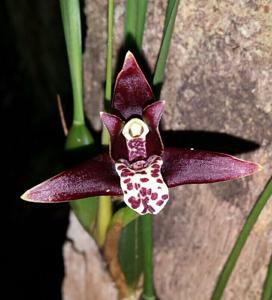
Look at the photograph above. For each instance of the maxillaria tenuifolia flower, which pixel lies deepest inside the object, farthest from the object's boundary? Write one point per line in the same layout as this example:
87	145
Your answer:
138	166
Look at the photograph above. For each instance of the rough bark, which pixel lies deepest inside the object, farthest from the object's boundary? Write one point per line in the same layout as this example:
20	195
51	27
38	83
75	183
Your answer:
218	79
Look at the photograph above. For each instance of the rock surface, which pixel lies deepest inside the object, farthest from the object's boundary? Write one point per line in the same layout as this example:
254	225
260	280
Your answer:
218	79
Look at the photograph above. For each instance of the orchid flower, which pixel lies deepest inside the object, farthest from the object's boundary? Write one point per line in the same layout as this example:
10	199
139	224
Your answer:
138	167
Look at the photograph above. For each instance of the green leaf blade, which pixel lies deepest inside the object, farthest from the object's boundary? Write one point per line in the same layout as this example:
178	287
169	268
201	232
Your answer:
267	288
240	242
85	211
134	24
130	23
79	138
70	11
130	255
171	13
140	23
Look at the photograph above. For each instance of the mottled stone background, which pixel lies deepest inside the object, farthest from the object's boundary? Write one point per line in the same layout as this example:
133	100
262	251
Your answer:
218	79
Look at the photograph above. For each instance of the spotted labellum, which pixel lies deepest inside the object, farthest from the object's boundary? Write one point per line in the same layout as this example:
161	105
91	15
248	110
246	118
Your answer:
137	165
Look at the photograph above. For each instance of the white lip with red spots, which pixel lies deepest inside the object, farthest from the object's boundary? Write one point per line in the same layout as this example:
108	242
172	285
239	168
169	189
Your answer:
143	186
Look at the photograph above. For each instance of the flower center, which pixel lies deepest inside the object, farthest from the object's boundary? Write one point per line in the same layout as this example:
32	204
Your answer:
135	128
135	131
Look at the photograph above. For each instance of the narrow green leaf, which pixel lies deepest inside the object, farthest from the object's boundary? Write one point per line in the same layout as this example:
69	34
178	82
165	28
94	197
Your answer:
135	23
171	13
105	207
108	88
124	216
109	52
79	136
169	9
240	242
267	288
140	24
130	252
130	23
70	11
86	210
147	228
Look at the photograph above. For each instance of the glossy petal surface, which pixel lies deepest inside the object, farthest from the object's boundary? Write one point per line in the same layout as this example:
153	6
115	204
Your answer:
183	166
132	92
153	112
91	178
152	116
114	125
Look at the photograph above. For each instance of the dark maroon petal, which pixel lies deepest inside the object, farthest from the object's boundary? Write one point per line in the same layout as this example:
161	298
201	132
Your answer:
91	178
112	123
154	145
114	126
132	92
153	112
152	115
189	166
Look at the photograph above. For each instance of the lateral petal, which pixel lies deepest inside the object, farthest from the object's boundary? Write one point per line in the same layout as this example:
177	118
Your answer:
152	116
182	166
94	177
153	112
114	125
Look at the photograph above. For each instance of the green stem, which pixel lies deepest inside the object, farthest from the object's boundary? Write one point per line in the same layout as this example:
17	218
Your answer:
70	11
240	242
267	289
130	23
140	23
170	18
103	219
148	291
105	136
134	24
105	206
109	53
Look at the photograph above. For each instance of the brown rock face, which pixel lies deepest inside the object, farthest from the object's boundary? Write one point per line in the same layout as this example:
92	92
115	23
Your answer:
218	79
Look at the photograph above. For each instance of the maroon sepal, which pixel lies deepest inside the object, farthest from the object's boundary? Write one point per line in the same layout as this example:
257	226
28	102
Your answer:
92	178
183	166
132	92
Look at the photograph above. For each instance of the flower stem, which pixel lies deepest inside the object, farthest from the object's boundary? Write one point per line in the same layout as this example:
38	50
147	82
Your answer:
105	206
72	31
148	291
109	52
170	18
105	136
103	219
240	242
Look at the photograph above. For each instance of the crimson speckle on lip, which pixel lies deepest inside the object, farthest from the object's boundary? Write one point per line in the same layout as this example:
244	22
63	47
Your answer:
154	196
144	179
